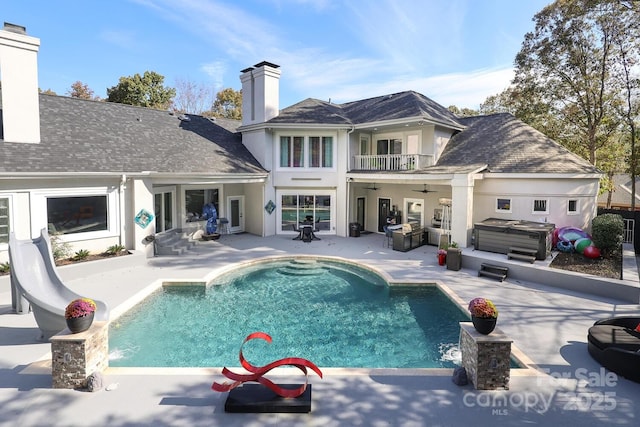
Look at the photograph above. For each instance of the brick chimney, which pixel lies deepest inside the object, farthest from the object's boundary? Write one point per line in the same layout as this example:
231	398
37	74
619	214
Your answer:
260	93
19	92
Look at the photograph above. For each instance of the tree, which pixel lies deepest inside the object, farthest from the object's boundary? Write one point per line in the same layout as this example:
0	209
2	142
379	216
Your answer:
81	90
462	112
144	91
228	104
565	63
626	31
499	103
192	97
47	92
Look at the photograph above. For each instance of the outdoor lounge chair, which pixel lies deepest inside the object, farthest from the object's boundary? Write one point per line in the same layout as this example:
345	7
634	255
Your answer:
615	344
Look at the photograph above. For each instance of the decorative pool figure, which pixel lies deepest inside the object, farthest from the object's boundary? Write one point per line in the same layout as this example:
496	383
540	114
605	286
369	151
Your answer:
336	314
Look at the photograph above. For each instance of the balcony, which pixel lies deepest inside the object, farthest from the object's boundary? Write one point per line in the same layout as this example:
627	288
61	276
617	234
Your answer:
392	162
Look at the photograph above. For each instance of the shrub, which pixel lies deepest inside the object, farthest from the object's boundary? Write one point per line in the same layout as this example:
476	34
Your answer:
115	249
81	254
59	248
5	267
606	233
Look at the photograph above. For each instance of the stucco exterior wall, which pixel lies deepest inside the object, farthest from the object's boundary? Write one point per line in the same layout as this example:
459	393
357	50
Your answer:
523	192
29	209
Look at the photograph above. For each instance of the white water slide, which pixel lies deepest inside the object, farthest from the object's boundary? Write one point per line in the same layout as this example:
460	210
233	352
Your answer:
36	286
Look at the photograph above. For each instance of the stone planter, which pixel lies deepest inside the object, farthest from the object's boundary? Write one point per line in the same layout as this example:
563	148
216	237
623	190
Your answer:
484	325
454	259
80	324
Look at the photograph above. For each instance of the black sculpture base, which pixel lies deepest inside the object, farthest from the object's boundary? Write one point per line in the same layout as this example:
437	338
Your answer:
256	398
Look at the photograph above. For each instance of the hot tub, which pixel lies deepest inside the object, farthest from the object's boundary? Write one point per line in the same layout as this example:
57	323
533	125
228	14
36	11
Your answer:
499	235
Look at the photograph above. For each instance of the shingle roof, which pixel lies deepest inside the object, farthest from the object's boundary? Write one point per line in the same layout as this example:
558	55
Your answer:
91	136
621	195
388	107
312	111
508	145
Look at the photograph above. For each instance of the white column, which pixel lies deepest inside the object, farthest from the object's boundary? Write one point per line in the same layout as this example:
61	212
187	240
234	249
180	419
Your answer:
142	198
461	209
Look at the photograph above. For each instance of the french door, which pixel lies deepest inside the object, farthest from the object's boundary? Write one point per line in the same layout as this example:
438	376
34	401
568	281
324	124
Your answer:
235	212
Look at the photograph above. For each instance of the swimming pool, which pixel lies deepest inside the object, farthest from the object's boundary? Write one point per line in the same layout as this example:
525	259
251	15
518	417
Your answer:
334	314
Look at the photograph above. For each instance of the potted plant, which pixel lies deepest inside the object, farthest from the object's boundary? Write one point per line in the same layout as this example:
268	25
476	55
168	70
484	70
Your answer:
79	314
442	256
484	315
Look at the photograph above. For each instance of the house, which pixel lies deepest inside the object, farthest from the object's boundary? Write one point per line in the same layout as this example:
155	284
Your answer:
405	156
620	198
87	169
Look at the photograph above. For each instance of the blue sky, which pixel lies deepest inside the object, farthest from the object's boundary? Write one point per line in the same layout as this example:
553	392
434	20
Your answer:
453	51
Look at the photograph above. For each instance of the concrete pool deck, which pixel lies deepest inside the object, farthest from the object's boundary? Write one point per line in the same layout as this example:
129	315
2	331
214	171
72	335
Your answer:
548	324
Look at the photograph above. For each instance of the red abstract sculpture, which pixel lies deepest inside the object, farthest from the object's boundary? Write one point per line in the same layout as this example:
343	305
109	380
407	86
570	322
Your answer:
257	372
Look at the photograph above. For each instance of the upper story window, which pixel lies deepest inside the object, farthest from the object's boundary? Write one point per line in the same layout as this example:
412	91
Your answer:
320	152
389	146
291	151
306	152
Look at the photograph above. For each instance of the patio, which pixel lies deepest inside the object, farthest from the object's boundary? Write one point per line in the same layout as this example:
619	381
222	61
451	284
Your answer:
549	324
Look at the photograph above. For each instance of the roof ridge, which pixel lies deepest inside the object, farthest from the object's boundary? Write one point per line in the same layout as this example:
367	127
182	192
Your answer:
388	95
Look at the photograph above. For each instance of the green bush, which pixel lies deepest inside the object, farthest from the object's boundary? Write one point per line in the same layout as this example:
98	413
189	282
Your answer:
606	232
81	254
5	267
59	249
115	249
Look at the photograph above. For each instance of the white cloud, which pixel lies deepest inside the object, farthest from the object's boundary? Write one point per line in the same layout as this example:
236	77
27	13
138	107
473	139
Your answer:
397	45
216	71
231	29
412	35
318	5
121	38
467	89
461	89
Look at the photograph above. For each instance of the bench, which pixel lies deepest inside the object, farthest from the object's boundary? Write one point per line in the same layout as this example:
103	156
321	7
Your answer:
524	254
493	271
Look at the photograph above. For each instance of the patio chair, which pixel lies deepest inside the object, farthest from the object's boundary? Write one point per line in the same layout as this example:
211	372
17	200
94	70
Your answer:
388	236
297	230
615	344
224	226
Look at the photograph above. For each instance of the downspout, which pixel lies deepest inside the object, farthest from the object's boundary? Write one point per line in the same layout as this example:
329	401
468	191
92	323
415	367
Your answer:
353	128
121	190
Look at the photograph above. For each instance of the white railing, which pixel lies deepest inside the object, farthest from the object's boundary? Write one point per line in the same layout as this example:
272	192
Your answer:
629	230
392	162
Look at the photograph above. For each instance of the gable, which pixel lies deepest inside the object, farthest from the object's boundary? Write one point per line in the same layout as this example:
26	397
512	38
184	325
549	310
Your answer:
403	105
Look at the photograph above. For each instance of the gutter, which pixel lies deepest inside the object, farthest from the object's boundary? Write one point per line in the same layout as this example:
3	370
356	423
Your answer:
118	175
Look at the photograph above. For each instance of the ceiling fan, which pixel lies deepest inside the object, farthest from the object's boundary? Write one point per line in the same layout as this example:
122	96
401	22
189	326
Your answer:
374	188
424	190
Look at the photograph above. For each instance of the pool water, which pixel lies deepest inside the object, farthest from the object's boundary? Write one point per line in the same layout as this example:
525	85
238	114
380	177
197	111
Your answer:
334	314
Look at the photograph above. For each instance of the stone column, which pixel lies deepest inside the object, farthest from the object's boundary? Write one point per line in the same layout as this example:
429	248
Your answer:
76	356
486	358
